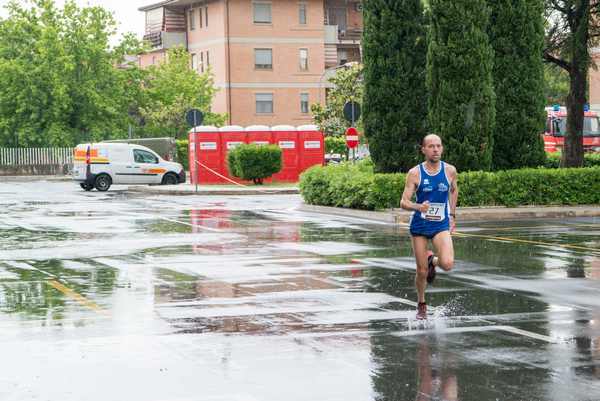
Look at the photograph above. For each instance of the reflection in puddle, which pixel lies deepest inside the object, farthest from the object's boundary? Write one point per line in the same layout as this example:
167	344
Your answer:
262	298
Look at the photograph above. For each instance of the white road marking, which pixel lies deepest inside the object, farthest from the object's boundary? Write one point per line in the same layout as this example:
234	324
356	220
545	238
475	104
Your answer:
475	329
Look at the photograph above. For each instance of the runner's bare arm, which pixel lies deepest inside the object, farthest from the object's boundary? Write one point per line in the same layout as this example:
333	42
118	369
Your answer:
412	182
453	190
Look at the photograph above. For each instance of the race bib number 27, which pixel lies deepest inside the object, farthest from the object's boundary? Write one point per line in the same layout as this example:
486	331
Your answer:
436	212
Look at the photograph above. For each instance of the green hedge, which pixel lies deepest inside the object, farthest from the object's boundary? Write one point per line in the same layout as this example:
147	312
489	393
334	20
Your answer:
348	185
254	162
589	160
182	153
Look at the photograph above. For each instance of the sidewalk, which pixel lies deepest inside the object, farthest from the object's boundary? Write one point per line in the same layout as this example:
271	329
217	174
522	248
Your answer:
188	189
466	214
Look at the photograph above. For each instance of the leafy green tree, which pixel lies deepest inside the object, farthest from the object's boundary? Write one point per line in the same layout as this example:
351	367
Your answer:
395	99
573	28
517	35
172	88
59	77
347	86
459	77
336	144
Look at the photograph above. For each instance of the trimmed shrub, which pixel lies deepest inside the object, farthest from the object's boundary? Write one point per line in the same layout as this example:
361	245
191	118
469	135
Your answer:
343	186
386	191
351	186
589	160
254	162
182	153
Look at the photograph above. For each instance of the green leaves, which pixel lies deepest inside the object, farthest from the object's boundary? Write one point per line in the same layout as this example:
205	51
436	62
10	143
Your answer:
63	84
171	89
347	86
350	186
517	35
335	144
395	99
58	77
460	83
254	162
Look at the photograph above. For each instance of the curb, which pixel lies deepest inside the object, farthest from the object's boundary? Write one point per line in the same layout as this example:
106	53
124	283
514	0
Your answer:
466	214
385	217
205	191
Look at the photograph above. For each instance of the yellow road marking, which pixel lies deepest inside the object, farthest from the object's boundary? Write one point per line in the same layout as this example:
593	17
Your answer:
534	227
75	296
524	241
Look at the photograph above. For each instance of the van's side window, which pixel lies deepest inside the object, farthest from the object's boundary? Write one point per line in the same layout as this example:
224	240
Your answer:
141	156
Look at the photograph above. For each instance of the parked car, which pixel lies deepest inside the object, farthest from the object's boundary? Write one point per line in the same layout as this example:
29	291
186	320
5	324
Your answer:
333	158
100	165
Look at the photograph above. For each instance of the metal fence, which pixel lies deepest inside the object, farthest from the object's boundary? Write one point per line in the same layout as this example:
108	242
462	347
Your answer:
35	156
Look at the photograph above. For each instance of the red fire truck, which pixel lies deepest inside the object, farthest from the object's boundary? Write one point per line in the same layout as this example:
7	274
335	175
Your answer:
556	129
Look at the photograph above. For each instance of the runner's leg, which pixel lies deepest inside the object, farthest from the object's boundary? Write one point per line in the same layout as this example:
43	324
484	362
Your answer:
419	245
444	250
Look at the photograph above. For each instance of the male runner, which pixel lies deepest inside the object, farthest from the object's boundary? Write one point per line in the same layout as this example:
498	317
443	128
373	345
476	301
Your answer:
434	182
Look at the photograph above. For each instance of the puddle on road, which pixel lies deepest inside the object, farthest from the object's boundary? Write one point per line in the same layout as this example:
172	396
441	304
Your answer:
247	290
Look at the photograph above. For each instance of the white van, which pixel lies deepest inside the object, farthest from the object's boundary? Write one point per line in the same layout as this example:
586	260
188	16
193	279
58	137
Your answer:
99	165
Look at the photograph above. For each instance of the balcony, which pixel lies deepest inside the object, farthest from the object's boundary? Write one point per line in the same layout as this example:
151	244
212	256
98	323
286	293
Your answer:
336	35
353	35
165	40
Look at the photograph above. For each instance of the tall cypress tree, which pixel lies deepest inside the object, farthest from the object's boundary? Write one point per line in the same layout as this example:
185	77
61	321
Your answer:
395	98
459	78
517	36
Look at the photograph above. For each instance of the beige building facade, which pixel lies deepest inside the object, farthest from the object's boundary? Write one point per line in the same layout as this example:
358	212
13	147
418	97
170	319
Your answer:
270	58
594	82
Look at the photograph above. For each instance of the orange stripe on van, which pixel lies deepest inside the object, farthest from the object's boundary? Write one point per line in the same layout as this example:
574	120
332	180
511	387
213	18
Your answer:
92	160
82	153
156	170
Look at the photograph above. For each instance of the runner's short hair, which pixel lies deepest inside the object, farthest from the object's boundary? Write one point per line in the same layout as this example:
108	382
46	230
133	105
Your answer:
426	136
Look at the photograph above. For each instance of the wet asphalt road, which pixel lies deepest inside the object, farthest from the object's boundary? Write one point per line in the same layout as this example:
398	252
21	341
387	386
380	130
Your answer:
128	297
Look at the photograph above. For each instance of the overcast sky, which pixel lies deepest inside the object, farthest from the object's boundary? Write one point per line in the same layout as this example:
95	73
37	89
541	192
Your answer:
125	11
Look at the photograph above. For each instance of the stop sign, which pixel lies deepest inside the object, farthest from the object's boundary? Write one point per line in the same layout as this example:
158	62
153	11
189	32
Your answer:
352	137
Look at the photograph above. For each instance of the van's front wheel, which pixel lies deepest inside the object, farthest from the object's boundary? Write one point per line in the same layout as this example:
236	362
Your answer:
103	182
170	179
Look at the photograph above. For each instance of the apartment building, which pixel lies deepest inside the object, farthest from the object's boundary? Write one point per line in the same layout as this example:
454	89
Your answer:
594	81
270	58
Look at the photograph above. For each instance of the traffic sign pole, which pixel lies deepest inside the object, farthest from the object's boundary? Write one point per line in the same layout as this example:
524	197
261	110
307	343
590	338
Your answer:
194	117
352	140
353	149
352	114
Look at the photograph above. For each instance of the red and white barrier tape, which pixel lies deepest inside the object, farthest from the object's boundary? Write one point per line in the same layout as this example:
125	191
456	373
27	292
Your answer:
270	191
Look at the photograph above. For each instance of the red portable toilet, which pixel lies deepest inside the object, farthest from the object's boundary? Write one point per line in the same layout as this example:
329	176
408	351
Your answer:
231	136
312	147
205	155
286	137
259	135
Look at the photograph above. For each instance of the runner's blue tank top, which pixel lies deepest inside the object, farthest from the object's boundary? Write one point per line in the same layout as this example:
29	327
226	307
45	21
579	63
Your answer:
435	189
